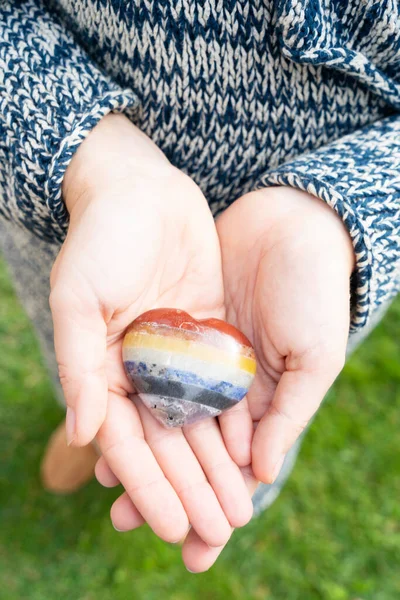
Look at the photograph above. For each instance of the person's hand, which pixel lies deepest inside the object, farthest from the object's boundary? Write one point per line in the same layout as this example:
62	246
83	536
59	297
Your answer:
287	261
141	236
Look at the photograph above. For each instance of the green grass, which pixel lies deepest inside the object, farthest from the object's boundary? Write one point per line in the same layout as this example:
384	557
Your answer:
334	534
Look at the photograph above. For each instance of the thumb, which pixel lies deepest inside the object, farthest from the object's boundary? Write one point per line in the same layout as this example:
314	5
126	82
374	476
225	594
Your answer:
80	340
297	397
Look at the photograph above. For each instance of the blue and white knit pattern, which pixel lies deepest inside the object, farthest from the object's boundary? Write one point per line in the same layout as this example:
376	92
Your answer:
238	94
360	179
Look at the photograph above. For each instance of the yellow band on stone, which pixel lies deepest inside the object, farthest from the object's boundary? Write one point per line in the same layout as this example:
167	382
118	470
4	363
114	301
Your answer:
191	348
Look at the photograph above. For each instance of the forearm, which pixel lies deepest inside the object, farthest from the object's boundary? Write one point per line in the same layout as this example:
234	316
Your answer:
117	141
359	178
51	97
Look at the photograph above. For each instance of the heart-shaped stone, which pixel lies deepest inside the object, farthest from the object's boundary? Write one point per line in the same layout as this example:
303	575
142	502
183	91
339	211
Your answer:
186	370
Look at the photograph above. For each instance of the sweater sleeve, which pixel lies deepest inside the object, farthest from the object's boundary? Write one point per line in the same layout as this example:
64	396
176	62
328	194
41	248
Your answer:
359	177
51	96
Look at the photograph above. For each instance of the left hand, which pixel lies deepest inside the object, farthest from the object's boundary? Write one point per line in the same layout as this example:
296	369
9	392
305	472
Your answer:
287	261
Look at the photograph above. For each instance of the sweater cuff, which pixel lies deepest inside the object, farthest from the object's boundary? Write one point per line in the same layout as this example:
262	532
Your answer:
358	176
111	102
51	96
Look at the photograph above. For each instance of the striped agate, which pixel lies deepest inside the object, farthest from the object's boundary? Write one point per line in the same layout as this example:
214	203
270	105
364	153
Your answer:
186	370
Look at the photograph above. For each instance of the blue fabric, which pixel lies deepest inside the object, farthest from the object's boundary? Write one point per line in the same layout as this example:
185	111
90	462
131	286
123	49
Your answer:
238	94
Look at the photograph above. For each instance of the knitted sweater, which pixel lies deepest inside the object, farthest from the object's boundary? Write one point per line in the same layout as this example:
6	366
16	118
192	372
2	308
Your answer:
239	94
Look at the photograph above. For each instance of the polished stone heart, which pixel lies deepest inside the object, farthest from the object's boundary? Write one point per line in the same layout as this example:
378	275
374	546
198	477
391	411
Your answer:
186	370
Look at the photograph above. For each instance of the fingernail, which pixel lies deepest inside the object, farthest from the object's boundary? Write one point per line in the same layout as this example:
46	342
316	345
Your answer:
116	528
70	426
190	571
278	467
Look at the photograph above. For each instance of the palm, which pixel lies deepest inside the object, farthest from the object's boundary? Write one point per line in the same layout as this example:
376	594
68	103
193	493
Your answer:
155	265
149	262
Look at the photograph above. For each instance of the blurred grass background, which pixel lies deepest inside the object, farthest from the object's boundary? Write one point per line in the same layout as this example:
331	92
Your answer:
334	533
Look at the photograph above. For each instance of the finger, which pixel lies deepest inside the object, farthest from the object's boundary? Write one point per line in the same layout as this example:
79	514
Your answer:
80	343
197	556
237	430
124	514
104	475
297	397
133	463
184	472
223	474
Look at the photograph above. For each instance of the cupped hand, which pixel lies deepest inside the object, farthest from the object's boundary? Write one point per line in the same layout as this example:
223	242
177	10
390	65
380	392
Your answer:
287	261
141	236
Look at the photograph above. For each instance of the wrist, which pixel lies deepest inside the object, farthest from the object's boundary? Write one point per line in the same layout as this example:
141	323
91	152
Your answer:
309	221
113	151
323	223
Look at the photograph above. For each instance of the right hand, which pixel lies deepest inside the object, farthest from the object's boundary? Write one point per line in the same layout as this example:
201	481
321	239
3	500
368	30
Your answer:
141	236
